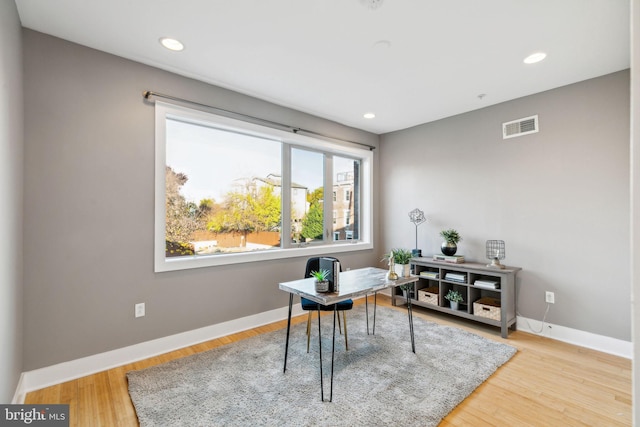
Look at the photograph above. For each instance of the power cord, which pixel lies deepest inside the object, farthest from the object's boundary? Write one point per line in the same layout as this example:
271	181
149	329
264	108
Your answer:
543	319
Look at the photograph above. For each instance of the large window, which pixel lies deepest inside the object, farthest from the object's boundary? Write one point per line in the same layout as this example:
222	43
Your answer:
228	191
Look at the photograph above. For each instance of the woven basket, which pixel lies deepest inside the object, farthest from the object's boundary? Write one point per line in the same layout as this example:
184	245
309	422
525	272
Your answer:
428	295
487	307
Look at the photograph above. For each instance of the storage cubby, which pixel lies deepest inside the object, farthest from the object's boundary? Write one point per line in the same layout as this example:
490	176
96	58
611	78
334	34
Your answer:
489	293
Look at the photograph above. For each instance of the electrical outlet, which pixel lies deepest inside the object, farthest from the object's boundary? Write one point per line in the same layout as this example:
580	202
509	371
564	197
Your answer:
549	297
139	310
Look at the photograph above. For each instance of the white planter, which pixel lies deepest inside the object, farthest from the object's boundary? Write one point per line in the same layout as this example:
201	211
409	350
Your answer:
402	270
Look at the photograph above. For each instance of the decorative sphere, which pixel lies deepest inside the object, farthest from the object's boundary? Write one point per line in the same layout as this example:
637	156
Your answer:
449	249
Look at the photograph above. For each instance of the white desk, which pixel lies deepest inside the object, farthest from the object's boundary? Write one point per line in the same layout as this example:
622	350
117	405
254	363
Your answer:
353	283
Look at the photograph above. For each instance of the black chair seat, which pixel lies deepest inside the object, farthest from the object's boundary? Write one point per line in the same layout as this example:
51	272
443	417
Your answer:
310	305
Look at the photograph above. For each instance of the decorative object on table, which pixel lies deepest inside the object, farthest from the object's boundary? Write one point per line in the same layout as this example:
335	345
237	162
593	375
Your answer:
401	261
417	217
392	275
331	265
454	298
495	252
451	238
322	284
454	259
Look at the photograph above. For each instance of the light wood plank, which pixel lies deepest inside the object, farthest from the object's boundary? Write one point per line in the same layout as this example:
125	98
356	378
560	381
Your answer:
546	383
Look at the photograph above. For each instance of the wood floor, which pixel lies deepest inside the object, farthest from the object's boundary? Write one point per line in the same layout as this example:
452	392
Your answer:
547	383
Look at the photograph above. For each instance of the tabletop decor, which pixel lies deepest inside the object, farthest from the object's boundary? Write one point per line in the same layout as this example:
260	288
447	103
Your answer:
417	217
495	252
451	238
401	258
392	270
322	282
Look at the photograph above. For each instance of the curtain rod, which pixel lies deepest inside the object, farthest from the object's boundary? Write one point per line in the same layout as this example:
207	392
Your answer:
148	94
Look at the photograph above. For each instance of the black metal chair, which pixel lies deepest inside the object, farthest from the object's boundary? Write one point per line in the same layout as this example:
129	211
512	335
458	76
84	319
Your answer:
313	264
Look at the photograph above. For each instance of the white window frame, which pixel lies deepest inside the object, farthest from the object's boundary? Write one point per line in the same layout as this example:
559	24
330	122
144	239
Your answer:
365	241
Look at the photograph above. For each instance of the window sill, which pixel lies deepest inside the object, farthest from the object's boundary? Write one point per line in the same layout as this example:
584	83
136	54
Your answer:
163	264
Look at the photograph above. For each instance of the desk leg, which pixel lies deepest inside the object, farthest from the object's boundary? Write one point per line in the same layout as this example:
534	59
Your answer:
320	353
410	314
375	305
286	345
333	352
333	348
366	306
366	310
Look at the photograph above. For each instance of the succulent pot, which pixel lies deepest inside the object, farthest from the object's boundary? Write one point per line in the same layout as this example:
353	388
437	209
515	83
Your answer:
449	248
402	270
322	286
454	305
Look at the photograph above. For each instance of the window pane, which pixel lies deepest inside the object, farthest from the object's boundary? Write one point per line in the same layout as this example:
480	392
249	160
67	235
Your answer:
346	189
219	187
219	199
307	208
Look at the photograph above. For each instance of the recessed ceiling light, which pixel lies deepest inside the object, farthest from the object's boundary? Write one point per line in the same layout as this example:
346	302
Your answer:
535	57
382	44
371	4
369	116
171	44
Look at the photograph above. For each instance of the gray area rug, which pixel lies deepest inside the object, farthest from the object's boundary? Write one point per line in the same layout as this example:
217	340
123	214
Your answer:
378	382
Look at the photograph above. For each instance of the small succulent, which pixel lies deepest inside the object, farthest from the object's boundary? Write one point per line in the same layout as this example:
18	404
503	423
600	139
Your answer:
454	296
320	275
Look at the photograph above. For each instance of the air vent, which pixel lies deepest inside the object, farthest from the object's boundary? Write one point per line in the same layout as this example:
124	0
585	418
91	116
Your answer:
520	127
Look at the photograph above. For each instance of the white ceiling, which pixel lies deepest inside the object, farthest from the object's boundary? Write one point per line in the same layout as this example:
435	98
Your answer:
323	56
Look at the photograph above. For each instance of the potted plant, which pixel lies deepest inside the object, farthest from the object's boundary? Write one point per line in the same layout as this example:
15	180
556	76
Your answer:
401	259
451	238
454	298
322	284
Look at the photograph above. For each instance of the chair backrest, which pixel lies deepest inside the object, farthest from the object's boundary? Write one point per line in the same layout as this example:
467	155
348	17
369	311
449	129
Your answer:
313	264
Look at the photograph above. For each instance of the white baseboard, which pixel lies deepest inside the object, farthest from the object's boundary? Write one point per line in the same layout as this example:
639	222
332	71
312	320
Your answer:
574	336
66	371
20	394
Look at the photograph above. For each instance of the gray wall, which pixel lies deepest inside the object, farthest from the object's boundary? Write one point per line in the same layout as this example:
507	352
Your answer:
558	198
11	192
89	191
